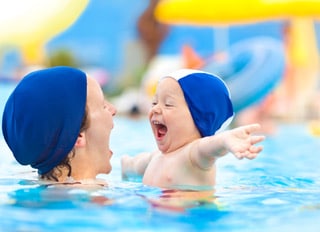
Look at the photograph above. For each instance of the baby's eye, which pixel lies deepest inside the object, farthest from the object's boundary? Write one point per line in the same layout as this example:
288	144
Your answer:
168	104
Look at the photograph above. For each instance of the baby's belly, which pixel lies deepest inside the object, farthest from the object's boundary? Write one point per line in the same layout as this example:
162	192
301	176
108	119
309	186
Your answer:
175	179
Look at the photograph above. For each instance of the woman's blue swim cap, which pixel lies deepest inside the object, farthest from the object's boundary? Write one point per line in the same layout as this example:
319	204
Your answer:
208	99
43	115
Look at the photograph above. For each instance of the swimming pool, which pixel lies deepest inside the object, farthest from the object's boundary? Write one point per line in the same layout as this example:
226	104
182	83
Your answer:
278	191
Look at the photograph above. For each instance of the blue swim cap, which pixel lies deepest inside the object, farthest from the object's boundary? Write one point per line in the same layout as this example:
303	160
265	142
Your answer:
43	115
208	99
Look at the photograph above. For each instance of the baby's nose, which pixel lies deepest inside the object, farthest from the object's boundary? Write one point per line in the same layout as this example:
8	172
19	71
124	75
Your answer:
156	109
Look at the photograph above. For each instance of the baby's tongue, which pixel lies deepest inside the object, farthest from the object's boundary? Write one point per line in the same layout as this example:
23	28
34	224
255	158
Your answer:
162	130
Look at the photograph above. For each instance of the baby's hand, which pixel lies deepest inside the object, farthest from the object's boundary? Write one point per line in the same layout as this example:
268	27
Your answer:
241	141
126	166
134	166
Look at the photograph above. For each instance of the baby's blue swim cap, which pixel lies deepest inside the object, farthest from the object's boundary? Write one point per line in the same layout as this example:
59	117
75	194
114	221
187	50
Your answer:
43	115
208	99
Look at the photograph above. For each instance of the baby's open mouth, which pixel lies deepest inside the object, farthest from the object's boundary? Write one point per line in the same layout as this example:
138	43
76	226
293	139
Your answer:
161	129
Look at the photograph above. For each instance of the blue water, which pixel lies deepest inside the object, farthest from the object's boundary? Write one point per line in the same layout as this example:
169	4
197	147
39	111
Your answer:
278	191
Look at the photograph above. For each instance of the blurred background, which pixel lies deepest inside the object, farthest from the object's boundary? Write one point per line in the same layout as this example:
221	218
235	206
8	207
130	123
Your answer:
268	54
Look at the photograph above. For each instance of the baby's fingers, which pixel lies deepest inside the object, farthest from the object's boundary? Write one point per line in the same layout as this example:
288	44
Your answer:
239	155
257	139
256	149
249	129
251	156
251	153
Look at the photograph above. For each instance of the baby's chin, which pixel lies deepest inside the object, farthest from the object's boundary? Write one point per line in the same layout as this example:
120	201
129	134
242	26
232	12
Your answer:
167	149
164	149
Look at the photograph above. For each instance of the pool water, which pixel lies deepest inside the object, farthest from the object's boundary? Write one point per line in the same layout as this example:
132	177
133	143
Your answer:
278	191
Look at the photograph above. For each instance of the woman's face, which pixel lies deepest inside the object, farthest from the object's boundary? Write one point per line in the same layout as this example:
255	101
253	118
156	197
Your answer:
100	113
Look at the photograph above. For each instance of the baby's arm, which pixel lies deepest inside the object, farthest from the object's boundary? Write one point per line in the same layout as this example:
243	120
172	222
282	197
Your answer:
239	141
134	166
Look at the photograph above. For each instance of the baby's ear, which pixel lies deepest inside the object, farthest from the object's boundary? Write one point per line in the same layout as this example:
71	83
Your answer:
81	140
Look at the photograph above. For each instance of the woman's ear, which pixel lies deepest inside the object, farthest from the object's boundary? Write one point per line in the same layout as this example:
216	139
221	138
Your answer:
81	140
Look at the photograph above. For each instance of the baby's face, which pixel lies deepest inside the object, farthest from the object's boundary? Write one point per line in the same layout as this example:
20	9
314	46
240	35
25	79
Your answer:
170	118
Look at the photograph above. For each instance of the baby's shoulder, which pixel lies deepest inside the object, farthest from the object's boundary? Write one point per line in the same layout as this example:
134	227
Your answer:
183	150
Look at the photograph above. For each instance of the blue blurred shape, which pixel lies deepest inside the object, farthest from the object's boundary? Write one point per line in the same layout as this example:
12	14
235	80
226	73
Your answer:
251	68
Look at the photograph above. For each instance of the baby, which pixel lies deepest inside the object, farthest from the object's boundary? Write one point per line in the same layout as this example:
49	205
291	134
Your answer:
190	109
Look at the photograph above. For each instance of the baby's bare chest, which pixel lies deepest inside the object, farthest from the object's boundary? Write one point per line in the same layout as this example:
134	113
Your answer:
166	171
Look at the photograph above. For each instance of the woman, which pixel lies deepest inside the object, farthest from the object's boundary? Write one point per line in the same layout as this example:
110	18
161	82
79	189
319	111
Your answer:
58	121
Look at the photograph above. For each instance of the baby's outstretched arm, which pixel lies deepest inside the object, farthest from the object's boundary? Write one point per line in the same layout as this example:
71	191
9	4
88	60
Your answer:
134	166
239	141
